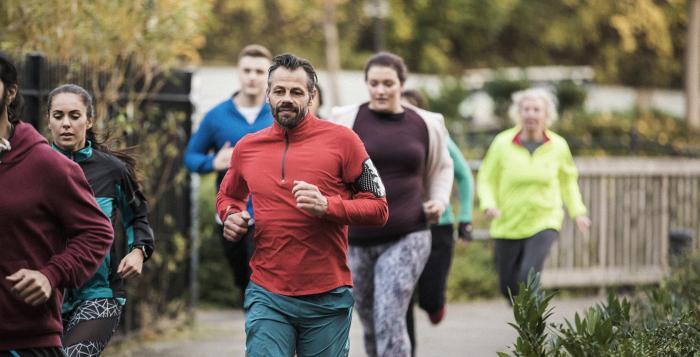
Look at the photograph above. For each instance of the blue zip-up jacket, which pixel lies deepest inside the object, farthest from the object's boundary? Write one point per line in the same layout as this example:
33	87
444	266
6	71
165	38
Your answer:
117	195
221	124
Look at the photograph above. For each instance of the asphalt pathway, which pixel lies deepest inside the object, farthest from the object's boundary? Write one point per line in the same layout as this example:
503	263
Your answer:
469	329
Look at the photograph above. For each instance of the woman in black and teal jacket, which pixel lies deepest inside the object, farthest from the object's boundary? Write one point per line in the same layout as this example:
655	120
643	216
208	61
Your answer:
91	313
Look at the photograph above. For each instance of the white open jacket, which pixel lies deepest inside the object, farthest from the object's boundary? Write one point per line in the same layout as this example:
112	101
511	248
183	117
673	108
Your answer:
439	172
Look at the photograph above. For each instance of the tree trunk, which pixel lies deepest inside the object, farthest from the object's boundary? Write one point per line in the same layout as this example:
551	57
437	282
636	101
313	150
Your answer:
643	100
330	31
692	66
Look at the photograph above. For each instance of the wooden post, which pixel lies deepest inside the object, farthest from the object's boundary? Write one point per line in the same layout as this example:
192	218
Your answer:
330	32
664	221
603	222
692	65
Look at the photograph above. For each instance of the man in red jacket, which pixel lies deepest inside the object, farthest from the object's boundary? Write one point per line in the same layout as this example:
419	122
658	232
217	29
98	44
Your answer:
52	233
309	179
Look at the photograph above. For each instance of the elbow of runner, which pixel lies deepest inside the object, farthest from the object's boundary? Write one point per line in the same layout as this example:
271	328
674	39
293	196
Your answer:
382	215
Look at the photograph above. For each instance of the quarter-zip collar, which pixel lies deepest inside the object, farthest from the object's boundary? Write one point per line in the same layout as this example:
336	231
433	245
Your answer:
299	132
517	139
77	156
289	136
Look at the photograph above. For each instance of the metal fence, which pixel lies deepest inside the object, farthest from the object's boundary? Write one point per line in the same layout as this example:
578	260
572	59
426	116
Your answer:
163	290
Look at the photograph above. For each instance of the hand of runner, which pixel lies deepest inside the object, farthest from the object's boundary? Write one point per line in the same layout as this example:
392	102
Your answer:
236	226
492	213
131	265
223	157
465	231
433	210
30	286
309	198
583	223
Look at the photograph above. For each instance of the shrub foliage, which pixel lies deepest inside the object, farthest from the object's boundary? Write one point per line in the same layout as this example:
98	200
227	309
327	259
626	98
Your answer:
663	321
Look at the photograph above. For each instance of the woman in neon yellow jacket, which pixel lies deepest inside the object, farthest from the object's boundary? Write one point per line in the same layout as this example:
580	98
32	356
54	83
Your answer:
528	174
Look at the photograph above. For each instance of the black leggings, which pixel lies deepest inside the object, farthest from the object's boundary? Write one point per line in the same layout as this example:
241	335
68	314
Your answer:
88	328
238	256
516	257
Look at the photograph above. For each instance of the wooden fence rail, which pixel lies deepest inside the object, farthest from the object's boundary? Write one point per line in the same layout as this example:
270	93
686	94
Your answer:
634	205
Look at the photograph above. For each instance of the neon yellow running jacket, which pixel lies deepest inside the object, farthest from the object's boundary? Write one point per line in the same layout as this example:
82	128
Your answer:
529	190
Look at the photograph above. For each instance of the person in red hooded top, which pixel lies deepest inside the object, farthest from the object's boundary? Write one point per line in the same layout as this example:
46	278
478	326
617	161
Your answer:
52	233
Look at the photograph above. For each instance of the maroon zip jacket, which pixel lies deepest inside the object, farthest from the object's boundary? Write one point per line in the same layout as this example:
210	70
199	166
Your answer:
49	221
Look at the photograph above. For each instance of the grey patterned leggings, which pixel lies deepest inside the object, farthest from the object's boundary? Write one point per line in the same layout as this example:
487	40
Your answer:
87	329
384	277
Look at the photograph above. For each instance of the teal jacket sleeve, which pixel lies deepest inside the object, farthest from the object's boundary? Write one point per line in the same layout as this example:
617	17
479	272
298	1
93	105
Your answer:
465	182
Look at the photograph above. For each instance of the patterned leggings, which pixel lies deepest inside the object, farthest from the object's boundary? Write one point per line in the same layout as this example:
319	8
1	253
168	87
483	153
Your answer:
384	277
88	328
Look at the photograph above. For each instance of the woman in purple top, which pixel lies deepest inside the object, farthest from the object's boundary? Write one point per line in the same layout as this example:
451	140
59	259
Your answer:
409	148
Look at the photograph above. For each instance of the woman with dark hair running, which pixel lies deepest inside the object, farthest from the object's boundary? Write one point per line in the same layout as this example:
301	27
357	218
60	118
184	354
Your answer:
409	148
54	235
91	313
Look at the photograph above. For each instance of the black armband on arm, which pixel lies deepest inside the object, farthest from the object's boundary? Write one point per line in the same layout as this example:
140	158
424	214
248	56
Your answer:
369	180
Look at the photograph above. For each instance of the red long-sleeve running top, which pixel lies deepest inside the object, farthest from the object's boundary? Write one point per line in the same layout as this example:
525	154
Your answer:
297	253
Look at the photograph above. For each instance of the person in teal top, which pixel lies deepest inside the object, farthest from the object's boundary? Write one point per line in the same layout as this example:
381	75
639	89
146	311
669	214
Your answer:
528	174
465	186
432	284
91	313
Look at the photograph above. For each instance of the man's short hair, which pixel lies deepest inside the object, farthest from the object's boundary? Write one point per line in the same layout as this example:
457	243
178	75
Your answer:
319	95
255	50
292	62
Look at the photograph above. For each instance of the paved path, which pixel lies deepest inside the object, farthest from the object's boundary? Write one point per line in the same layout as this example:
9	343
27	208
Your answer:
474	329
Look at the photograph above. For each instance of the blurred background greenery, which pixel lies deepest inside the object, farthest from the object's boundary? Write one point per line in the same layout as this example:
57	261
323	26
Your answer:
639	43
633	42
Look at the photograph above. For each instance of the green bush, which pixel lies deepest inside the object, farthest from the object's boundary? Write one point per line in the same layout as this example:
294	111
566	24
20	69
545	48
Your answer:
446	102
663	322
501	90
570	96
631	133
531	311
472	274
601	329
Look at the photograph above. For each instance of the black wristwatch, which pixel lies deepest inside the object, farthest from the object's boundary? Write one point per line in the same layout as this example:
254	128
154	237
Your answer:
143	250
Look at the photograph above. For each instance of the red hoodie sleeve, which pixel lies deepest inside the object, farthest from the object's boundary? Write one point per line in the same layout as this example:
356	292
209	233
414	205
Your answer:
88	231
368	206
233	192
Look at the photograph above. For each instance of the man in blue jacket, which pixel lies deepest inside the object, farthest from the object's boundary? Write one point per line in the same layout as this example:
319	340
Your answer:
210	147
